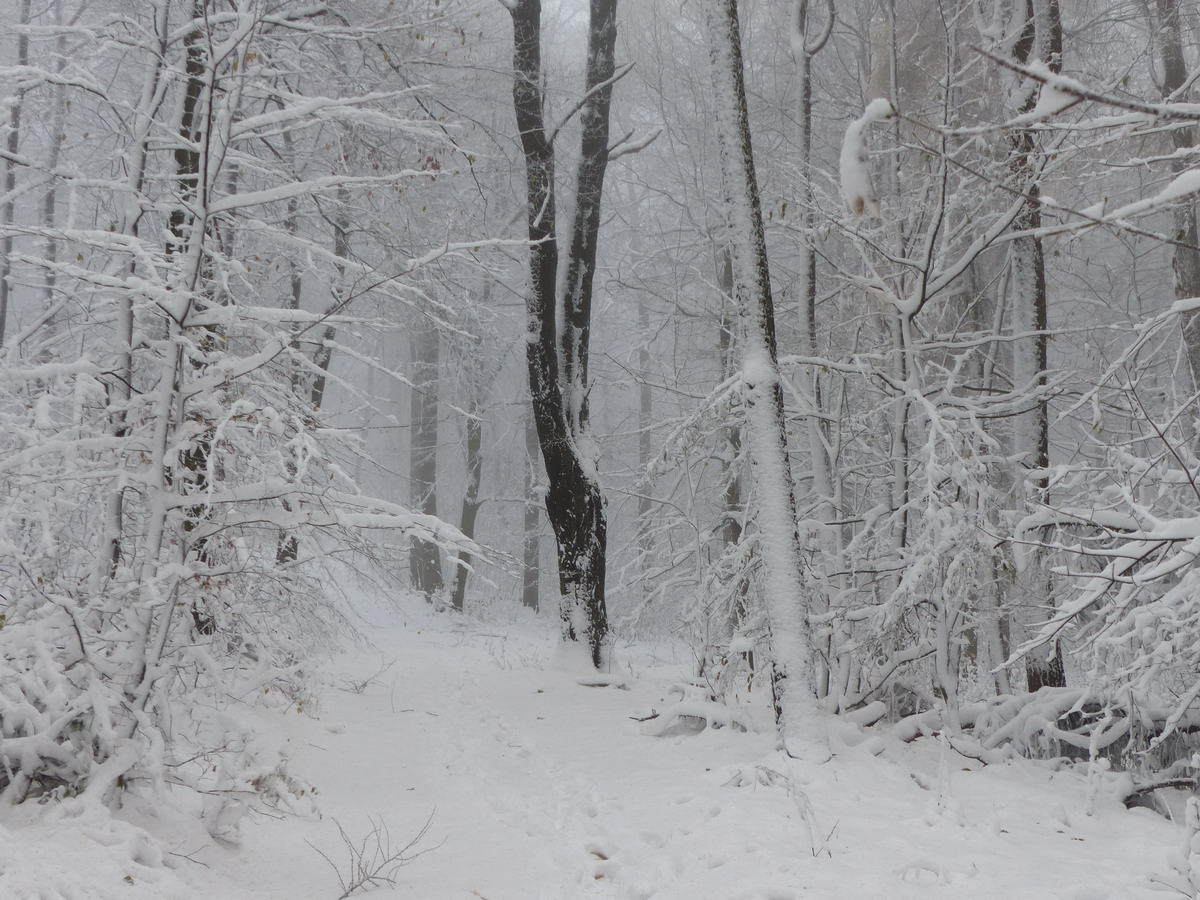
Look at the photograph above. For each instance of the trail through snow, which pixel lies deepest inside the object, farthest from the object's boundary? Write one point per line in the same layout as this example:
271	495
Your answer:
540	787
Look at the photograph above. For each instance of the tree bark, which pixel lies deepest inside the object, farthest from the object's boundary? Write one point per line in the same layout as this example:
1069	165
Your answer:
645	540
470	503
1185	258
50	200
791	681
807	42
424	557
574	502
476	379
731	494
1040	37
341	249
10	176
193	125
122	391
532	543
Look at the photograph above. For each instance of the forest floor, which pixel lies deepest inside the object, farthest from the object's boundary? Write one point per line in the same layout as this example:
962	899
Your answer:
541	787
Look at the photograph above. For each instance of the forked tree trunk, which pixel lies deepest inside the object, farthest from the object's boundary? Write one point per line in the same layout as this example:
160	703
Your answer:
574	503
792	661
1040	38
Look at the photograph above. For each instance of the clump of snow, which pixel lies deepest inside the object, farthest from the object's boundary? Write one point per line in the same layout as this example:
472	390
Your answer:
855	174
1057	94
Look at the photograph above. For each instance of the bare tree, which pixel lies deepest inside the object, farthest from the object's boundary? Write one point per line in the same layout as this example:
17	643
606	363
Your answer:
574	503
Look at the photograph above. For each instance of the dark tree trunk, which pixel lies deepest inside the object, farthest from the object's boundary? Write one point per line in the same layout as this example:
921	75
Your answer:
1041	37
574	503
194	459
581	266
187	171
187	157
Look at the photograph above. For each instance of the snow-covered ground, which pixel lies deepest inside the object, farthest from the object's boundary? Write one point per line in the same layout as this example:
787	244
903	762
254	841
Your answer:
541	787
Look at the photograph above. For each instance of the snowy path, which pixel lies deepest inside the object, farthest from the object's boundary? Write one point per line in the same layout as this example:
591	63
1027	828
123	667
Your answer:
543	789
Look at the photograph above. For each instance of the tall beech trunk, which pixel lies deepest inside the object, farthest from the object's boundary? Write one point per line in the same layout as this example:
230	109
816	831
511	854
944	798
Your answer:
425	561
1185	258
791	681
1041	37
574	502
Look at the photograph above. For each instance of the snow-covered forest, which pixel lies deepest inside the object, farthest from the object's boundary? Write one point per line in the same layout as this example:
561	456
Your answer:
570	448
